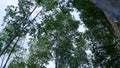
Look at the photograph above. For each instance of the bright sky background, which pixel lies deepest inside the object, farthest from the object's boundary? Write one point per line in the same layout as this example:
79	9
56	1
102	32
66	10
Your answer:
5	3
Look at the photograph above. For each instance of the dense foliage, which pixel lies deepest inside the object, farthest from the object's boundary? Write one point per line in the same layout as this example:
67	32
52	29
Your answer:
100	34
52	35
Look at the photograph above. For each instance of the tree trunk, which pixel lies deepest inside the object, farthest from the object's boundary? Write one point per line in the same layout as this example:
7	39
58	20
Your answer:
113	23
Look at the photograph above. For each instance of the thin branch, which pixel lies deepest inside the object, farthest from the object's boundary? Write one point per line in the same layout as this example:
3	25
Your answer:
11	52
3	50
14	38
32	19
11	40
29	14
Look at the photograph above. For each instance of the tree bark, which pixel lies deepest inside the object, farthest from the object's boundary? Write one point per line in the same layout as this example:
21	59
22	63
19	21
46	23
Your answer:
113	23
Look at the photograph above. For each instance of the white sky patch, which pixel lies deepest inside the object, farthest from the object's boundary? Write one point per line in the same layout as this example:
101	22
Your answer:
51	64
81	28
37	10
75	15
3	5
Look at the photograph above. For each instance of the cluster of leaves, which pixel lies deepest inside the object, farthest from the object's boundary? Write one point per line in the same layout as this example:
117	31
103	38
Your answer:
67	41
99	33
54	39
16	20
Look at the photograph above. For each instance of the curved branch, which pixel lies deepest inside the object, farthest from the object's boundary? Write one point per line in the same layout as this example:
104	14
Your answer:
113	23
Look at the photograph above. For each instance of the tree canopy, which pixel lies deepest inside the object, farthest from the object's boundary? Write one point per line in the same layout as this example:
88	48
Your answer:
51	34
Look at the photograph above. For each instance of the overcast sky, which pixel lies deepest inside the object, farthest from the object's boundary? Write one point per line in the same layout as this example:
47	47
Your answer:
3	5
